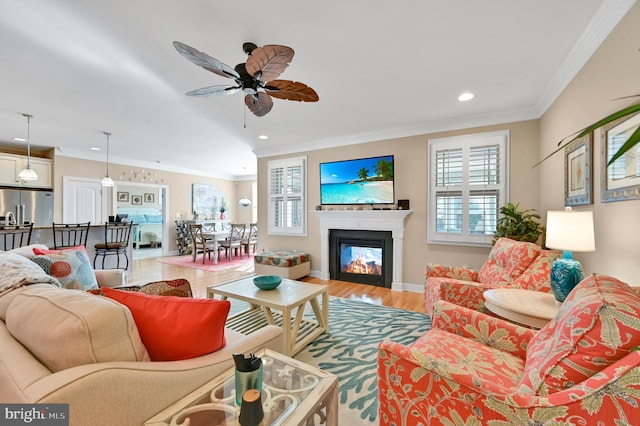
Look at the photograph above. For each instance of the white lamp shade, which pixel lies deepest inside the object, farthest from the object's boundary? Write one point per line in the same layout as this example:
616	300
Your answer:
27	174
245	202
570	230
107	181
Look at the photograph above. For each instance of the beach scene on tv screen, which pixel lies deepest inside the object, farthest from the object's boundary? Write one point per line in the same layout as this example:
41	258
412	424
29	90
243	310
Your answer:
361	181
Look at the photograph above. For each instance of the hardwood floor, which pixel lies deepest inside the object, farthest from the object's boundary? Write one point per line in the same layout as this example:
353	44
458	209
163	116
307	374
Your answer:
147	270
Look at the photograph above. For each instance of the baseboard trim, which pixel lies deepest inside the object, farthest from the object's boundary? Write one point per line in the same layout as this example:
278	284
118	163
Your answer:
411	287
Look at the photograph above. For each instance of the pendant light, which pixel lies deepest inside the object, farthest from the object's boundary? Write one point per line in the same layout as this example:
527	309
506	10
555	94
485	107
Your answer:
244	202
27	173
107	181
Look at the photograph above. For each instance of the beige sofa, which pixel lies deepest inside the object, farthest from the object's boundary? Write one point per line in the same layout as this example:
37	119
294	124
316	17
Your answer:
69	346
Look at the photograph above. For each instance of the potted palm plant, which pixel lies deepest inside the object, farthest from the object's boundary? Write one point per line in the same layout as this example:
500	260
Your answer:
519	224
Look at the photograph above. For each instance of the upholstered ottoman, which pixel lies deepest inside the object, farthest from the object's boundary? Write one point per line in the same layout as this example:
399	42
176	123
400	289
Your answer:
284	263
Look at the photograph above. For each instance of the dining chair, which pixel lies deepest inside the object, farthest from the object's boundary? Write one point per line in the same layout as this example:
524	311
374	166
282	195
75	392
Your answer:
250	238
116	242
200	243
234	241
67	235
14	236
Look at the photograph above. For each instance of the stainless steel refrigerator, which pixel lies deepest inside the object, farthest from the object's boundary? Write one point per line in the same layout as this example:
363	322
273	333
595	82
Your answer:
27	205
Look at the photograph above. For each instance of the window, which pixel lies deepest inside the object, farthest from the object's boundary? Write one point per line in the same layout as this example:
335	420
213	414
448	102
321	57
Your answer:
468	182
287	198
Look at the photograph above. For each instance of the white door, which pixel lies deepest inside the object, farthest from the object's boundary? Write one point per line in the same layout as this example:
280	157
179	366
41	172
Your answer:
84	200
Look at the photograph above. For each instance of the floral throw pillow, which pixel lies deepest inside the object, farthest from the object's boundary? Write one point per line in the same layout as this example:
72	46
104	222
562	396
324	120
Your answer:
507	260
71	267
597	325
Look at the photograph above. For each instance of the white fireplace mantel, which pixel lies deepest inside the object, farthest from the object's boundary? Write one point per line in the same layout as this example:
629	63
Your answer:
366	220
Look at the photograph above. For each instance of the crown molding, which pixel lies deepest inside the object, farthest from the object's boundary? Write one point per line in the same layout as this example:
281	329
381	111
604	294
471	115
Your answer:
606	18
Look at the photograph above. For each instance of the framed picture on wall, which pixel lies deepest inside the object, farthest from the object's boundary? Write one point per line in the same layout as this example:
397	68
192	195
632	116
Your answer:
578	171
621	179
149	197
123	196
136	200
205	199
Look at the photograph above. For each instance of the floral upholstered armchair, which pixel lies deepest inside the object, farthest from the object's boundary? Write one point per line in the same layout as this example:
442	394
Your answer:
513	264
471	368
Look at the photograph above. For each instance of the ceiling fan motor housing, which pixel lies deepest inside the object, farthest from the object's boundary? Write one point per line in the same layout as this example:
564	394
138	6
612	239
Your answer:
246	81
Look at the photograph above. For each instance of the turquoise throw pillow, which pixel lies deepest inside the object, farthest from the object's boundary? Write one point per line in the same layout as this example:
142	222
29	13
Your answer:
71	268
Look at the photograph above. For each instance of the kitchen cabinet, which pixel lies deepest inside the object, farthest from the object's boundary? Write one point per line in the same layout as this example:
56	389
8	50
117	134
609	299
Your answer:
10	166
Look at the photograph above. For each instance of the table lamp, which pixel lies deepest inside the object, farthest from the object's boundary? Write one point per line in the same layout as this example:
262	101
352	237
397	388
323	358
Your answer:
568	231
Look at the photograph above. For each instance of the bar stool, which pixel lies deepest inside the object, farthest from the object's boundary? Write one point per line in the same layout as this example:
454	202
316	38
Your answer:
70	234
116	242
14	236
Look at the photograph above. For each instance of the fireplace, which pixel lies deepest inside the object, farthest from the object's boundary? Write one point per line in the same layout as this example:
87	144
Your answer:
361	256
364	220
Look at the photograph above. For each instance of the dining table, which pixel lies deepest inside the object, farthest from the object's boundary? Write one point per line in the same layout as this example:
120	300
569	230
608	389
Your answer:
215	236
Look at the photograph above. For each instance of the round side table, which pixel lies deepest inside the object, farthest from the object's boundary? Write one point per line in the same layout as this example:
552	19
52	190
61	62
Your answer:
532	308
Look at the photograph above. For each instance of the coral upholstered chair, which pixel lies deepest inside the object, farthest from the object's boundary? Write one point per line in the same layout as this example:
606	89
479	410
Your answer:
511	264
471	368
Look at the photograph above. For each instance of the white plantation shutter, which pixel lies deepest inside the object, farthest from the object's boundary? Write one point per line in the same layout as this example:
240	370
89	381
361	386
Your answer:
287	184
467	185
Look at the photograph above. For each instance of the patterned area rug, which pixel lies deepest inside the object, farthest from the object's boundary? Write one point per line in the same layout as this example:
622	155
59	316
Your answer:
246	263
349	350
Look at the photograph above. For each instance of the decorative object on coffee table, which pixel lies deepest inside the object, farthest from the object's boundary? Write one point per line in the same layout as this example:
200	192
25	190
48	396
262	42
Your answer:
569	231
267	282
251	413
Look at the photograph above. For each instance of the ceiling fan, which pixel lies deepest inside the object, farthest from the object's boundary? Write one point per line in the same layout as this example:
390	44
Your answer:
257	77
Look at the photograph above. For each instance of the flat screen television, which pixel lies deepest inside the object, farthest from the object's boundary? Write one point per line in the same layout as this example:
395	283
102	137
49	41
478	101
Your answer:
358	181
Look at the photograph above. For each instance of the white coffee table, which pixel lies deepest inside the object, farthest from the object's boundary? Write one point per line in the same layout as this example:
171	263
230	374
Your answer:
532	308
277	307
293	393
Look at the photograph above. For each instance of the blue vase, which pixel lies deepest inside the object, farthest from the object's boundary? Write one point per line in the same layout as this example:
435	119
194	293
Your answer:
565	275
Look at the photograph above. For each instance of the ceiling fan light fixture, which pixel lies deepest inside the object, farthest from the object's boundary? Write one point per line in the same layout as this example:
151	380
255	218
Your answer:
107	181
27	173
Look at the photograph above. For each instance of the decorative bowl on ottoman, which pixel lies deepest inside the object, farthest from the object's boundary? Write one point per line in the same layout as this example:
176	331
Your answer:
267	282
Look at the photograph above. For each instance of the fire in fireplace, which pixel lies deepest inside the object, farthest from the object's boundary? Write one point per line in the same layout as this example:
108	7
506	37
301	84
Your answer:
361	256
360	260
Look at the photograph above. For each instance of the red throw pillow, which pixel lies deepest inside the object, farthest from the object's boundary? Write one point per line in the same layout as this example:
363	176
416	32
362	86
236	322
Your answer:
38	251
174	328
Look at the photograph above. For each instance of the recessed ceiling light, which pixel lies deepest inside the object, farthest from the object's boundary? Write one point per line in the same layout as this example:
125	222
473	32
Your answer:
94	148
466	97
20	139
263	137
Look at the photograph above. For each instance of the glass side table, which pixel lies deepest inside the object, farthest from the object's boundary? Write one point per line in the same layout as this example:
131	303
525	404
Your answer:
293	393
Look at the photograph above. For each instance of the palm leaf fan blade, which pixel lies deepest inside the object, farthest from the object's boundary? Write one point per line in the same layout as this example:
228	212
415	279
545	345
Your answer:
291	90
205	61
214	91
259	104
268	62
